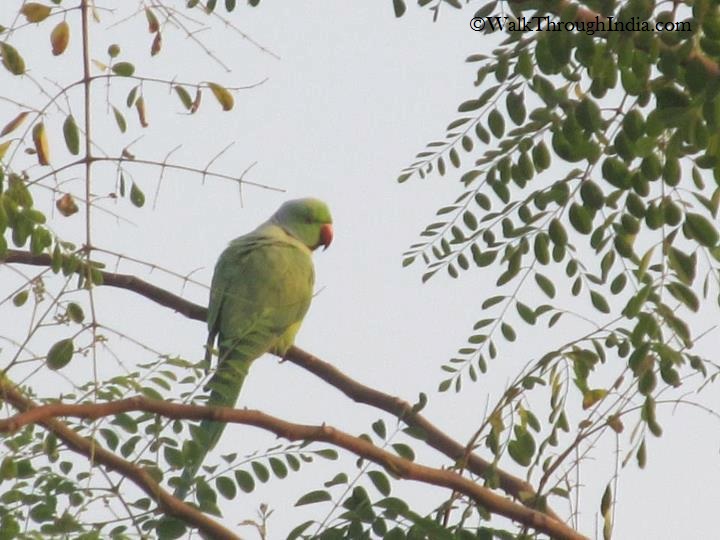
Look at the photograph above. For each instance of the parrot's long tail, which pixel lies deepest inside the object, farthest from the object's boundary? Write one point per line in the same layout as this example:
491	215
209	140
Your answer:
224	388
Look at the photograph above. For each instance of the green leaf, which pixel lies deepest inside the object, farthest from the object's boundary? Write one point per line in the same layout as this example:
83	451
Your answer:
541	156
516	107
526	313
599	302
616	172
123	69
541	248
137	197
20	298
618	284
493	300
557	232
244	480
545	285
313	497
592	195
72	135
379	428
327	453
683	265
222	95
454	158
339	478
522	447
588	113
641	455
226	487
75	313
128	447
496	123
483	258
684	294
120	120
184	96
11	59
278	467
580	218
110	437
508	332
702	230
470	220
380	481
169	528
591	397
261	471
606	502
293	462
404	451
174	457
60	354
470	105
206	497
297	531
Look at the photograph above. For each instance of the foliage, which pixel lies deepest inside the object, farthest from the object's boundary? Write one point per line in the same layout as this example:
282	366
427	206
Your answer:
589	163
589	171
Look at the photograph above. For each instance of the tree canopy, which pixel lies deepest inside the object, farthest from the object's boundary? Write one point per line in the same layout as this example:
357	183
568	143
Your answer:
587	155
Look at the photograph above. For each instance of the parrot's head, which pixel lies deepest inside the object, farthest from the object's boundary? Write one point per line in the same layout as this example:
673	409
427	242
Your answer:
308	220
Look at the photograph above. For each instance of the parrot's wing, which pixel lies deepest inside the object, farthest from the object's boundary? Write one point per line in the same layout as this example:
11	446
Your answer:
233	269
261	291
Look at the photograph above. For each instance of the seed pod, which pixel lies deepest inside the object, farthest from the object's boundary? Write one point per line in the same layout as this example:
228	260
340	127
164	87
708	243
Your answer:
66	205
196	103
60	354
59	38
153	23
72	135
13	124
223	96
184	96
156	44
140	106
137	197
41	143
34	12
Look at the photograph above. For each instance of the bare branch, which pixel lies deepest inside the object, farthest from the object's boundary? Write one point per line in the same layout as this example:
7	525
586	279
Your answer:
434	436
399	466
97	454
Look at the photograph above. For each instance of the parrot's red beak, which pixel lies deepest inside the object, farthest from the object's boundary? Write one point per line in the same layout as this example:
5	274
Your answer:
326	236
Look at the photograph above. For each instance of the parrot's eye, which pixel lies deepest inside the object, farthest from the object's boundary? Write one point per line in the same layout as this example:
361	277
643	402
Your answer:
308	220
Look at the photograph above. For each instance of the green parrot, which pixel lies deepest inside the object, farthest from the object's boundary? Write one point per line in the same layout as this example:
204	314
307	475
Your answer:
260	293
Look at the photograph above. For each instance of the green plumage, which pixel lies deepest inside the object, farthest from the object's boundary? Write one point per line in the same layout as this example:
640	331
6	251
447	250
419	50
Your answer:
260	293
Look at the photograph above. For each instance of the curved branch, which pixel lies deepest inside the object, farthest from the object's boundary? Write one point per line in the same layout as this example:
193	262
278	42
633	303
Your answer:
122	281
399	466
434	436
31	412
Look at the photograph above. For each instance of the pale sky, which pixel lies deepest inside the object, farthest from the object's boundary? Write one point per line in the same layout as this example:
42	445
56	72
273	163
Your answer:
354	96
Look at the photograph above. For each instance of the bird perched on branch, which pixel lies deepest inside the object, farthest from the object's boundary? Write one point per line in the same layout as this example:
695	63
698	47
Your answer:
260	293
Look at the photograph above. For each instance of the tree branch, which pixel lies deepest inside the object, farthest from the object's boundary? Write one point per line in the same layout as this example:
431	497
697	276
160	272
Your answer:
31	412
294	432
434	436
